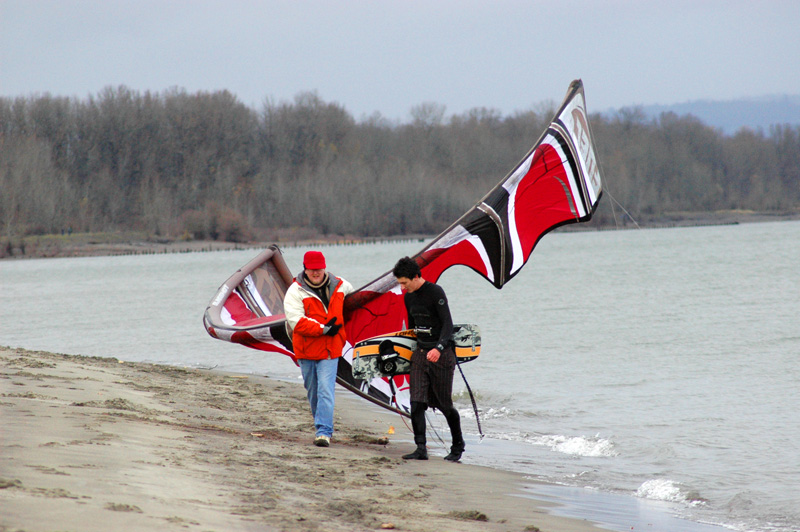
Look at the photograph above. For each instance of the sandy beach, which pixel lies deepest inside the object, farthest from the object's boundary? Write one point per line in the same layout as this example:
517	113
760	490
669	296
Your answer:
102	444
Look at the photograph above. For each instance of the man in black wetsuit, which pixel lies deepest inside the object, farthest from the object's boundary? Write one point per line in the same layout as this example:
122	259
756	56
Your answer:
434	360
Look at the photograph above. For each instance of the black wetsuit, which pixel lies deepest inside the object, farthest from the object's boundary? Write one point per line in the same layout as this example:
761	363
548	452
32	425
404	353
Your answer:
432	382
429	314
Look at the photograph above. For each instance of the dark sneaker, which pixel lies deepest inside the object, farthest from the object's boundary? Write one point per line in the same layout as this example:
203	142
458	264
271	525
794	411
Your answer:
421	453
456	450
453	456
322	441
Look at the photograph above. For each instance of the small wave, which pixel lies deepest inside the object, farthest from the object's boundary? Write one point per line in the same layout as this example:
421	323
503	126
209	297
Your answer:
578	445
662	489
489	413
572	445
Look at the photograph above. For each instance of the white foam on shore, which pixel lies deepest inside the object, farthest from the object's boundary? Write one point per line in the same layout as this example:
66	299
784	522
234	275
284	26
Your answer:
662	489
490	413
571	445
578	445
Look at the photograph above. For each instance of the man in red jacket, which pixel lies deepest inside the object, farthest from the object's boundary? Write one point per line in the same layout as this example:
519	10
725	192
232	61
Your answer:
314	310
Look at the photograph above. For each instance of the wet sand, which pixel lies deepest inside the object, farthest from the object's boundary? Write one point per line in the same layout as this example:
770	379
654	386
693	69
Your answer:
98	444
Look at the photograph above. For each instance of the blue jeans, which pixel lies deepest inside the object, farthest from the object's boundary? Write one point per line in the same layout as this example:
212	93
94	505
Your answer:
319	378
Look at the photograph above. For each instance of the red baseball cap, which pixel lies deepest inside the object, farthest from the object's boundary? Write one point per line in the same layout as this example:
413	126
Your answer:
314	260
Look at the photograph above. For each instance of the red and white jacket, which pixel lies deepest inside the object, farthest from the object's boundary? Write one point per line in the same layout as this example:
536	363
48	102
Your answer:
307	316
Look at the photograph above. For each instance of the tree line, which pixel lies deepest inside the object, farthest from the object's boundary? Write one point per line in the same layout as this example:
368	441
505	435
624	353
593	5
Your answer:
205	166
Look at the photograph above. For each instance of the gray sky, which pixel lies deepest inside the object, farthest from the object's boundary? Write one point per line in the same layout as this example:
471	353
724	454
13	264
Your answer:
389	56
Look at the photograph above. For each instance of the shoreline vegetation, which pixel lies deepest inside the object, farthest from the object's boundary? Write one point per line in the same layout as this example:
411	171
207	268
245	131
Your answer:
138	243
95	444
204	165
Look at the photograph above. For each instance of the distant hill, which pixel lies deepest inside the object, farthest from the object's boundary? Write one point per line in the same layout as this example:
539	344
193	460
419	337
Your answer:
732	115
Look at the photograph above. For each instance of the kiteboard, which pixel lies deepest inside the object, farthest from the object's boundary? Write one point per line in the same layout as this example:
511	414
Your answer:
388	355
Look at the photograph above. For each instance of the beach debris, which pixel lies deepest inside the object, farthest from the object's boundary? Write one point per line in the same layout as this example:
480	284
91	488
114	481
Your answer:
114	507
360	437
387	526
469	515
10	483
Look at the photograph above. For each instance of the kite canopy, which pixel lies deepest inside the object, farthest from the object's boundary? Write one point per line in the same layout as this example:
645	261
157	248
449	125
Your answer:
248	307
558	182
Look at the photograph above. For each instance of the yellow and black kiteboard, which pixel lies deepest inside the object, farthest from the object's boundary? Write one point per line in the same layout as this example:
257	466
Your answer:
390	354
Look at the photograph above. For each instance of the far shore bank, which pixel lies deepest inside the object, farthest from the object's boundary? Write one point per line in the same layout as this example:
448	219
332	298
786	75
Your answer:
137	243
109	244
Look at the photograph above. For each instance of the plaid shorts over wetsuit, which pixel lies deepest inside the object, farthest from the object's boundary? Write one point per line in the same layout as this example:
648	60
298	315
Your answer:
432	382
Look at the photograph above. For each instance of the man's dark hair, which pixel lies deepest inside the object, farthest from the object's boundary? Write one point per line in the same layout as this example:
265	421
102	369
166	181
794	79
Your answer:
406	267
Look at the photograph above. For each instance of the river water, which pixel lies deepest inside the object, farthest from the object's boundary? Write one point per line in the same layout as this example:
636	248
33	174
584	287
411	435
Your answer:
650	377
